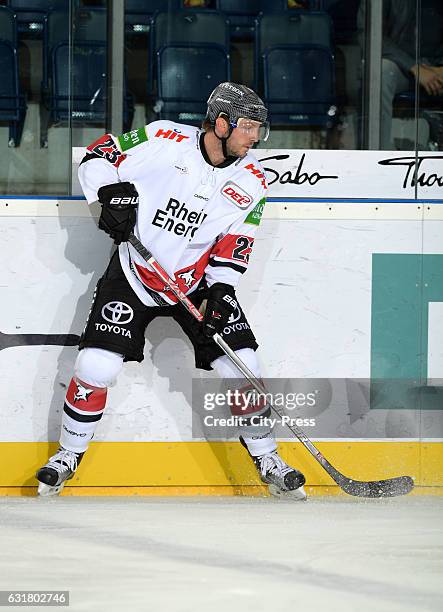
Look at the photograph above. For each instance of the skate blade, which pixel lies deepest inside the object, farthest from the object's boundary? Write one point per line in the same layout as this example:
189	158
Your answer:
296	495
45	490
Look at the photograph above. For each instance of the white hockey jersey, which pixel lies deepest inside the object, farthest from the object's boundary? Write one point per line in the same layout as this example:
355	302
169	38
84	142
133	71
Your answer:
195	218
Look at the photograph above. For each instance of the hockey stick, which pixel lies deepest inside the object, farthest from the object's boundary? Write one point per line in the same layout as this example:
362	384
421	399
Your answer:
390	487
11	340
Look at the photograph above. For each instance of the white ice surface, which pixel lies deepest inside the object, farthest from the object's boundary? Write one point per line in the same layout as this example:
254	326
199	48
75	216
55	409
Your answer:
214	554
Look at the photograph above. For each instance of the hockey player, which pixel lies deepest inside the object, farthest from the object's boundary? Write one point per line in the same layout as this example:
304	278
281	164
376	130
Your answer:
194	197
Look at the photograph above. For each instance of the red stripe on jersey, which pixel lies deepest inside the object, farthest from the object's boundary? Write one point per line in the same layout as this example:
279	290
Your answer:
150	279
84	397
105	147
185	278
234	248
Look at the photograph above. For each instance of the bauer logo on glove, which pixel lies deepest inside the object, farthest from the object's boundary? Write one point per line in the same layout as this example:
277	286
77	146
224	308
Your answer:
124	201
119	210
221	304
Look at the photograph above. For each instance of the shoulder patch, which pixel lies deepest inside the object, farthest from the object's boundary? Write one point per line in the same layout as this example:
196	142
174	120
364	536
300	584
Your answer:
132	138
235	194
254	216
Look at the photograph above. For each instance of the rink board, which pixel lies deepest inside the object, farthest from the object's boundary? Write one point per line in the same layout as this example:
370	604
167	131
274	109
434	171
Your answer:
218	468
309	297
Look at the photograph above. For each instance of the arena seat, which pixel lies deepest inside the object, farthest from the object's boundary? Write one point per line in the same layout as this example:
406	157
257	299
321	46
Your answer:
241	17
31	13
139	13
187	75
185	28
297	79
299	85
74	84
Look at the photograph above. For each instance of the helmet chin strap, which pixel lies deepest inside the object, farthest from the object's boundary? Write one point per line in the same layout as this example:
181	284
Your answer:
223	140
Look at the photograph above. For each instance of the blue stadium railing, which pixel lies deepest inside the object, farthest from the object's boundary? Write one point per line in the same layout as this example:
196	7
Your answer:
12	100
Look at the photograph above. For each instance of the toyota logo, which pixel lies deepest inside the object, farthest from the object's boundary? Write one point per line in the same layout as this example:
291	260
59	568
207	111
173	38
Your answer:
117	312
234	316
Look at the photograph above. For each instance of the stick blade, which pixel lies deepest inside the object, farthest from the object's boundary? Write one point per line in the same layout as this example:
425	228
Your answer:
392	487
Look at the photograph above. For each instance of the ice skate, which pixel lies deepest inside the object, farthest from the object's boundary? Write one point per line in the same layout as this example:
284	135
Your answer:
60	468
282	480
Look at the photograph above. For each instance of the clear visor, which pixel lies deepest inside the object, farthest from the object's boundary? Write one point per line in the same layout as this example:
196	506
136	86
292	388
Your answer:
260	131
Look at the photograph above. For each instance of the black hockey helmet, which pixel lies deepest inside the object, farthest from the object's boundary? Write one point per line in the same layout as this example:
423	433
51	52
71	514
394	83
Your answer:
238	103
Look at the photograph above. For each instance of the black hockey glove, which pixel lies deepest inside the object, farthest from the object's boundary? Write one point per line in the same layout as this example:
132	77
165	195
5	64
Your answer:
119	210
221	304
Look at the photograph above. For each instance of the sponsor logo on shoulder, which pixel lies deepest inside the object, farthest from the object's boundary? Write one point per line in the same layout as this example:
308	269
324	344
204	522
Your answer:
174	134
237	195
132	138
258	174
255	215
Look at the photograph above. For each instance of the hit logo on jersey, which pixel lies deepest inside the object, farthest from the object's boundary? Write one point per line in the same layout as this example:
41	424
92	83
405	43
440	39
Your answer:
171	135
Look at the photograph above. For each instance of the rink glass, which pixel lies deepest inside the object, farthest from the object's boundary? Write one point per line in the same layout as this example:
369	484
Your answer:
67	57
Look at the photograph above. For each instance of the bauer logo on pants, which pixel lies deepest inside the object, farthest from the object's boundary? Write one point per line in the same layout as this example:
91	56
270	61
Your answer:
117	312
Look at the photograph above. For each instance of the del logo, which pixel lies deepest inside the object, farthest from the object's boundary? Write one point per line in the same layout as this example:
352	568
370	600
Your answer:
236	194
170	135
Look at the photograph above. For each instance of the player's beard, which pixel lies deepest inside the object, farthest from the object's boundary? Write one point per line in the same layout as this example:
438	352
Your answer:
240	151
